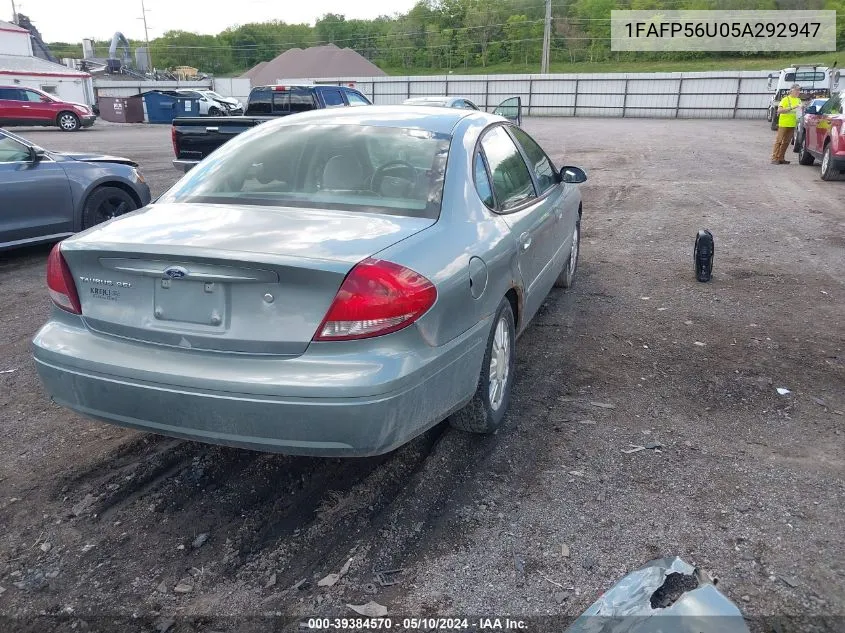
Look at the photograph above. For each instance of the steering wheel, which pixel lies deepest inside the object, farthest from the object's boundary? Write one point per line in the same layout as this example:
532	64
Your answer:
409	175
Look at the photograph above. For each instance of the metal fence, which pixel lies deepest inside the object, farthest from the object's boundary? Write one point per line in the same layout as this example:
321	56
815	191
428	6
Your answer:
730	95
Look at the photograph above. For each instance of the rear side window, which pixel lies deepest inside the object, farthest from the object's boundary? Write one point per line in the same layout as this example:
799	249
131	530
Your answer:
543	169
482	182
333	98
10	94
511	180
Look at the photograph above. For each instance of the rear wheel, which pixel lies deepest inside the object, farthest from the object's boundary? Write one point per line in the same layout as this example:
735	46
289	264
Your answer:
567	275
486	411
804	157
68	121
104	204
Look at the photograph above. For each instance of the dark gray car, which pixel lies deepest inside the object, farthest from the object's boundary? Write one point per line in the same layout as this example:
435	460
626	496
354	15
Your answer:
46	196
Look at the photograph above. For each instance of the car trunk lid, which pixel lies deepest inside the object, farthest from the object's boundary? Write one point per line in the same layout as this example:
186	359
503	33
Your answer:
223	278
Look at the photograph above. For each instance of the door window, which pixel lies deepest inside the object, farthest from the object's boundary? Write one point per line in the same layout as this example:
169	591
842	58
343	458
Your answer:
31	95
543	169
511	180
355	99
12	152
12	94
333	98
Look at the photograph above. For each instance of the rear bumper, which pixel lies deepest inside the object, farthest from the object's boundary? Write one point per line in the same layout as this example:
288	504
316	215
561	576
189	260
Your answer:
185	165
318	404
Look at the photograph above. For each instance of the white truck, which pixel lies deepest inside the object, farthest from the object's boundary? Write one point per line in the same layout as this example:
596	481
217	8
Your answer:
816	82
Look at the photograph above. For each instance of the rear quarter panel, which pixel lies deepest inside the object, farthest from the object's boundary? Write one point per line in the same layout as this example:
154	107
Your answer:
442	253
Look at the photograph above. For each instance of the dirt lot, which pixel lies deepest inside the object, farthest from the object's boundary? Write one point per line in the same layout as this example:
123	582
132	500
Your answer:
116	530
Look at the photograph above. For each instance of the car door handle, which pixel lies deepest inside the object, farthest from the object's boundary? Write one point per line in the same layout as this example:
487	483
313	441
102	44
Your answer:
25	106
525	241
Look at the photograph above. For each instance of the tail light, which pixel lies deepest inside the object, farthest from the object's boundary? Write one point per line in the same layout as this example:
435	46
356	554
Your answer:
377	297
60	282
173	141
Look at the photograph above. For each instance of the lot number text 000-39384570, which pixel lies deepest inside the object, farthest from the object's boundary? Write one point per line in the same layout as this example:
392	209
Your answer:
738	31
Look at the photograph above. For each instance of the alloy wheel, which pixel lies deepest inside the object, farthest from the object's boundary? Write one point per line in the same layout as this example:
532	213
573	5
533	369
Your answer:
500	357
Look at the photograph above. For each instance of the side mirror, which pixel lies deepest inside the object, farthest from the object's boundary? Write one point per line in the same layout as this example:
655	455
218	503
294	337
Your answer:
36	154
46	100
811	110
573	175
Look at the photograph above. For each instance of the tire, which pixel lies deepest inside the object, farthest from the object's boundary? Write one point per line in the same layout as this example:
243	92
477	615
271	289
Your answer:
213	111
106	203
769	115
68	121
828	172
804	157
774	123
485	413
567	275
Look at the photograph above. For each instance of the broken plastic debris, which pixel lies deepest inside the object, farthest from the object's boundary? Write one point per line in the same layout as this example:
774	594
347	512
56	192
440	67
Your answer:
8	371
369	610
331	579
667	587
783	391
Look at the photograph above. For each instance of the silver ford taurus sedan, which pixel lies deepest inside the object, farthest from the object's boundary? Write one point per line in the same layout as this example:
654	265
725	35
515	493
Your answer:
331	283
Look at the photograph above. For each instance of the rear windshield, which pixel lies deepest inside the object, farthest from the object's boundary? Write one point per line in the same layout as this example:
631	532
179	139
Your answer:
346	167
280	100
804	76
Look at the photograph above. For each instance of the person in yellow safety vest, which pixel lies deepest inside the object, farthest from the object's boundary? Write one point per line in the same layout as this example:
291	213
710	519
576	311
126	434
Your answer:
787	120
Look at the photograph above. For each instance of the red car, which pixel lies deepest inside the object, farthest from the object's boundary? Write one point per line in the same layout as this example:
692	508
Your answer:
824	137
20	105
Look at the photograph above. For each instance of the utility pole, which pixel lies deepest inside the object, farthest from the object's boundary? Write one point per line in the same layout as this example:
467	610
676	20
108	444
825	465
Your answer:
14	13
147	37
547	38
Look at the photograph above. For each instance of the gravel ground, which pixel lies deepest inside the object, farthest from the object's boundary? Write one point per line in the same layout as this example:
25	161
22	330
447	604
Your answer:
110	529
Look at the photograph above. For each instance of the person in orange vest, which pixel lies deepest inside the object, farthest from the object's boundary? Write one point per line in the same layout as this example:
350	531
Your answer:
787	120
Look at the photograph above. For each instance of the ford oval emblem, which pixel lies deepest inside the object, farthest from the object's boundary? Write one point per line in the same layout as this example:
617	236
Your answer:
175	272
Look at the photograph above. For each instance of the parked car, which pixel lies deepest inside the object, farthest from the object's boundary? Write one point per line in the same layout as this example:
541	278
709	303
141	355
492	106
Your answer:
333	283
195	138
509	108
212	104
46	196
21	106
823	137
816	104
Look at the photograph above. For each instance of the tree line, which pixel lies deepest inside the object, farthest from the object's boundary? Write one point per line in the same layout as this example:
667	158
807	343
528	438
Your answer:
440	35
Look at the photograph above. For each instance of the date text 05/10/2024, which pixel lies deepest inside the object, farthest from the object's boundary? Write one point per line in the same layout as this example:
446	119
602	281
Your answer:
410	624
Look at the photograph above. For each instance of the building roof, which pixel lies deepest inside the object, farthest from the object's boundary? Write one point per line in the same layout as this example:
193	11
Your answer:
23	65
254	70
314	63
14	28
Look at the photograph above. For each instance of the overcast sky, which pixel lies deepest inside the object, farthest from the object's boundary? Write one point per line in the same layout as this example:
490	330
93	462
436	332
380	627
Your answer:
70	20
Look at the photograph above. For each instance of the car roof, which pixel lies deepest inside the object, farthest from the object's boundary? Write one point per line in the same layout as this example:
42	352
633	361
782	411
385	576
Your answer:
431	118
